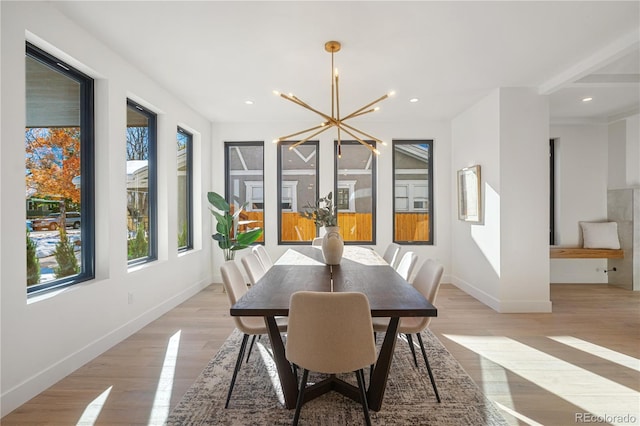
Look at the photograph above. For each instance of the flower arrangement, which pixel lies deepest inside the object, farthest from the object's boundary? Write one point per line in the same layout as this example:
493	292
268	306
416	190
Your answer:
323	213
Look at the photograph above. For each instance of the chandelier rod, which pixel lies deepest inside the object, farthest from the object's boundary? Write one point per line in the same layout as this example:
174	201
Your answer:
334	120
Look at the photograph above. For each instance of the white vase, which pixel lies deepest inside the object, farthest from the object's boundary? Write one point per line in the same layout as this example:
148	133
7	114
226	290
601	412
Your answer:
332	245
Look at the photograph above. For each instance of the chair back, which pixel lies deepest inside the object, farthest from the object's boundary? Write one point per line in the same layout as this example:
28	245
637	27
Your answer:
427	280
330	332
391	254
264	257
406	265
254	268
317	241
234	286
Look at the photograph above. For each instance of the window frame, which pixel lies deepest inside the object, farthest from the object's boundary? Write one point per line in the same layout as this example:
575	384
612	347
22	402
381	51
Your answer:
430	198
374	186
152	170
282	181
87	169
228	145
188	189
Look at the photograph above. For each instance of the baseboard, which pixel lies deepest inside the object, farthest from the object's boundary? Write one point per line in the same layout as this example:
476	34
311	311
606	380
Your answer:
474	291
502	306
18	395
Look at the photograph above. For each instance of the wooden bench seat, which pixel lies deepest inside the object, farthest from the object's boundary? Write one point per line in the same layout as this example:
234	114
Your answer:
584	253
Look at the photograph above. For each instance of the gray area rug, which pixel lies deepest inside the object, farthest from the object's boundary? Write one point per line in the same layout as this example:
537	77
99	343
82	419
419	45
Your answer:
409	398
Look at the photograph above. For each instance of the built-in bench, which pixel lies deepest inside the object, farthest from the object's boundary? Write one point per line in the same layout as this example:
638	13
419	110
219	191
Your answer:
584	253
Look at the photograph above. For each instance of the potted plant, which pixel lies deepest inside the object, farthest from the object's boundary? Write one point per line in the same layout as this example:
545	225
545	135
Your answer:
229	237
323	213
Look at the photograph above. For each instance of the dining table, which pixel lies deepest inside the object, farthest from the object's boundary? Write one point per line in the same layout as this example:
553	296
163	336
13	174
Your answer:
361	269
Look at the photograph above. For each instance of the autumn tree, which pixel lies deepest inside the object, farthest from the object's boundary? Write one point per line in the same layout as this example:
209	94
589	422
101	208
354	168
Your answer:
53	160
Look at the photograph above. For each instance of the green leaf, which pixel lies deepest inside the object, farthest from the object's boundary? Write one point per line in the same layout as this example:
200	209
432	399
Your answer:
249	237
218	201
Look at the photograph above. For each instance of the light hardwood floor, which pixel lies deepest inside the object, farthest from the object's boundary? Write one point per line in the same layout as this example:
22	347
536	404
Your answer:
542	368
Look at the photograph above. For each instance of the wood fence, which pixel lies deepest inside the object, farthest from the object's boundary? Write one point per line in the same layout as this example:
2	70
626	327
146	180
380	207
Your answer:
353	226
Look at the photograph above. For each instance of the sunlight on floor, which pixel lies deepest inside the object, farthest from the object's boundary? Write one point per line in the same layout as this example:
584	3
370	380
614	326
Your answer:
599	351
517	415
94	408
162	400
588	391
497	376
267	358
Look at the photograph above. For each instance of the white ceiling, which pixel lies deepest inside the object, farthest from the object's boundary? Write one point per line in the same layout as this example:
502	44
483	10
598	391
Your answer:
216	55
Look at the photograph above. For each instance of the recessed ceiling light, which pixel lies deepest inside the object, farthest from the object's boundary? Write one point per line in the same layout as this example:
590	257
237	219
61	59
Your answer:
248	102
587	99
414	100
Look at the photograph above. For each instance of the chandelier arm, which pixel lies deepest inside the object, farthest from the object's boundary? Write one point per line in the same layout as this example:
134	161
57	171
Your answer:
309	137
369	111
337	98
375	151
295	100
363	133
310	129
303	104
381	98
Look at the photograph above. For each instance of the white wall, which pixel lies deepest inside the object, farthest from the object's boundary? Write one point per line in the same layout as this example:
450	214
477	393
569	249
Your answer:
46	338
633	150
475	136
524	196
503	261
617	154
583	167
438	131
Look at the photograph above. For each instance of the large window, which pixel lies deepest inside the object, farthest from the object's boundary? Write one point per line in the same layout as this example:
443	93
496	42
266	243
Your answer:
355	189
413	192
244	164
59	172
141	184
184	151
297	187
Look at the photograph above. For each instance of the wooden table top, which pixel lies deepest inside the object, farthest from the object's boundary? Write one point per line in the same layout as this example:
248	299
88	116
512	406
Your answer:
360	270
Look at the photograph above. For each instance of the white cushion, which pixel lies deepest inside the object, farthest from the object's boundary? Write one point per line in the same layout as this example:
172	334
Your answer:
600	235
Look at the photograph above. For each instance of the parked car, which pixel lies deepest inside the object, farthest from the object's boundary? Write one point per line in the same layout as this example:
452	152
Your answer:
29	227
53	221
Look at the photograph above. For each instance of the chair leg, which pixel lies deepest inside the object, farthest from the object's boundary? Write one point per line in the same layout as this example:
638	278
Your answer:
413	350
253	340
243	346
363	396
426	362
303	384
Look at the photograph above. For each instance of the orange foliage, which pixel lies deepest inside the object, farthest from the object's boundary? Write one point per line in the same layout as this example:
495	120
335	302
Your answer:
53	160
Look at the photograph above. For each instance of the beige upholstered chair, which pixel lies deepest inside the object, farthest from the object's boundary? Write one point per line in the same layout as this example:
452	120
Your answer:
330	333
317	241
406	265
391	254
264	257
251	326
427	282
254	268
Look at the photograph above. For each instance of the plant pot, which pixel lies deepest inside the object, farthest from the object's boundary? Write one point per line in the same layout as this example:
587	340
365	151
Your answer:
332	245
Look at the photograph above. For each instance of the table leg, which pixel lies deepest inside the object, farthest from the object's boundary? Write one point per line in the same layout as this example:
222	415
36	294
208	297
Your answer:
378	383
285	373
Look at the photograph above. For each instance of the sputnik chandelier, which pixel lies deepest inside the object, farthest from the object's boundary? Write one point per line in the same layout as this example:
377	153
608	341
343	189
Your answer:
334	120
